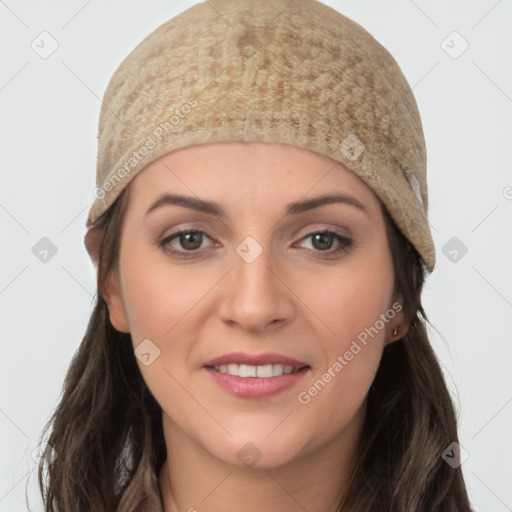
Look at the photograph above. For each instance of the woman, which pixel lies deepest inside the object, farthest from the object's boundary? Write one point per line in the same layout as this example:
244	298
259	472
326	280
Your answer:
261	236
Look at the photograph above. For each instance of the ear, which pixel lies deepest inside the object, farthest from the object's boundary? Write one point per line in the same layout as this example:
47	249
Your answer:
93	240
111	291
399	323
113	296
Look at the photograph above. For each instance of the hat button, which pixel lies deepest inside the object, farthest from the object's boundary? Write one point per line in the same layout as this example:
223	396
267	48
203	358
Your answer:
414	184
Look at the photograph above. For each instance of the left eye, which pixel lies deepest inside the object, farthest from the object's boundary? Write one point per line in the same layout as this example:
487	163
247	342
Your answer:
322	241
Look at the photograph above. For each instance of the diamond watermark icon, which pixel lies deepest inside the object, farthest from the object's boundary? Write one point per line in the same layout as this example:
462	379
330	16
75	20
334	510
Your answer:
454	455
454	45
454	249
44	250
351	147
43	453
44	45
249	249
249	454
146	352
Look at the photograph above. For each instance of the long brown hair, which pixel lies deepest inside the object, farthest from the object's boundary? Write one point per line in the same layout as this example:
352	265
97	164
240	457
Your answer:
107	428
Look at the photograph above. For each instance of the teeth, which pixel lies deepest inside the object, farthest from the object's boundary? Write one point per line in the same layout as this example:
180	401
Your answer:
265	371
245	370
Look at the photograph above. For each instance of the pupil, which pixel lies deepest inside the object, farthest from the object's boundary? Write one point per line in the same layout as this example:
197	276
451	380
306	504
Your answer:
325	241
188	240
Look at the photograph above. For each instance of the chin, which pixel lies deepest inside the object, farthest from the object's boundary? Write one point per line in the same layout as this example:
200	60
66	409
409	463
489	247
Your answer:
259	450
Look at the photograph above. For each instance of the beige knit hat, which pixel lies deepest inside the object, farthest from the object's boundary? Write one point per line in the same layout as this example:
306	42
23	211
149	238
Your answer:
292	72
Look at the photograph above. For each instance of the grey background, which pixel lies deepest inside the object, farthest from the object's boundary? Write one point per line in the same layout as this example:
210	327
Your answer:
49	112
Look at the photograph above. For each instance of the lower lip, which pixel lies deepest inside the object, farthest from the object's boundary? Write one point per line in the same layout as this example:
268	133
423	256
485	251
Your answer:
256	387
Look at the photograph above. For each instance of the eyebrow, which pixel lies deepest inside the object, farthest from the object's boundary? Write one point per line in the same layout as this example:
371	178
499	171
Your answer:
217	210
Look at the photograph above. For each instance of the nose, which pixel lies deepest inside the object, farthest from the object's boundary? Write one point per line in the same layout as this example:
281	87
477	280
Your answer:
254	296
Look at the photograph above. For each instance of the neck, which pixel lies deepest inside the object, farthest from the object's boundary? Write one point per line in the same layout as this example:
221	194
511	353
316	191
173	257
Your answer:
192	480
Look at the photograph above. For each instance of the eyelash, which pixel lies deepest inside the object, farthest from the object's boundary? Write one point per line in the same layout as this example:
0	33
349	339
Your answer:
346	243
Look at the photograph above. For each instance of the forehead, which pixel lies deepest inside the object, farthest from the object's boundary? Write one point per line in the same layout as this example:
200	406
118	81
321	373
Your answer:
252	172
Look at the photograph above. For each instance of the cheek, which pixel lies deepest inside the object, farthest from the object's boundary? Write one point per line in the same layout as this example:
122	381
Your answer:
349	300
351	305
165	303
160	303
158	297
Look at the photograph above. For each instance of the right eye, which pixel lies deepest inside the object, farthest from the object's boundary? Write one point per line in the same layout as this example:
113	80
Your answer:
190	241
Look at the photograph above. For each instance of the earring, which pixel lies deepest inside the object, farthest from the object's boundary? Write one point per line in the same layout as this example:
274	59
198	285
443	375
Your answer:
395	331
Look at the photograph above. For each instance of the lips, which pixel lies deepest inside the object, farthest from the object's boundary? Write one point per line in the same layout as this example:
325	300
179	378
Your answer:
255	376
255	360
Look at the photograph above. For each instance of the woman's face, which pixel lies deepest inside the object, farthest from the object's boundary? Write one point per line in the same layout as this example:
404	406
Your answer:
269	279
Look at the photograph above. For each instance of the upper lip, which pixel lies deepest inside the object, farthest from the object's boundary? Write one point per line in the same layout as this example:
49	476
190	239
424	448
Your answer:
255	360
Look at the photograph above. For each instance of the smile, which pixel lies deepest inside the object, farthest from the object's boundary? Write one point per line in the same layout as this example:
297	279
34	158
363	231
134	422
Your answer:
247	381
